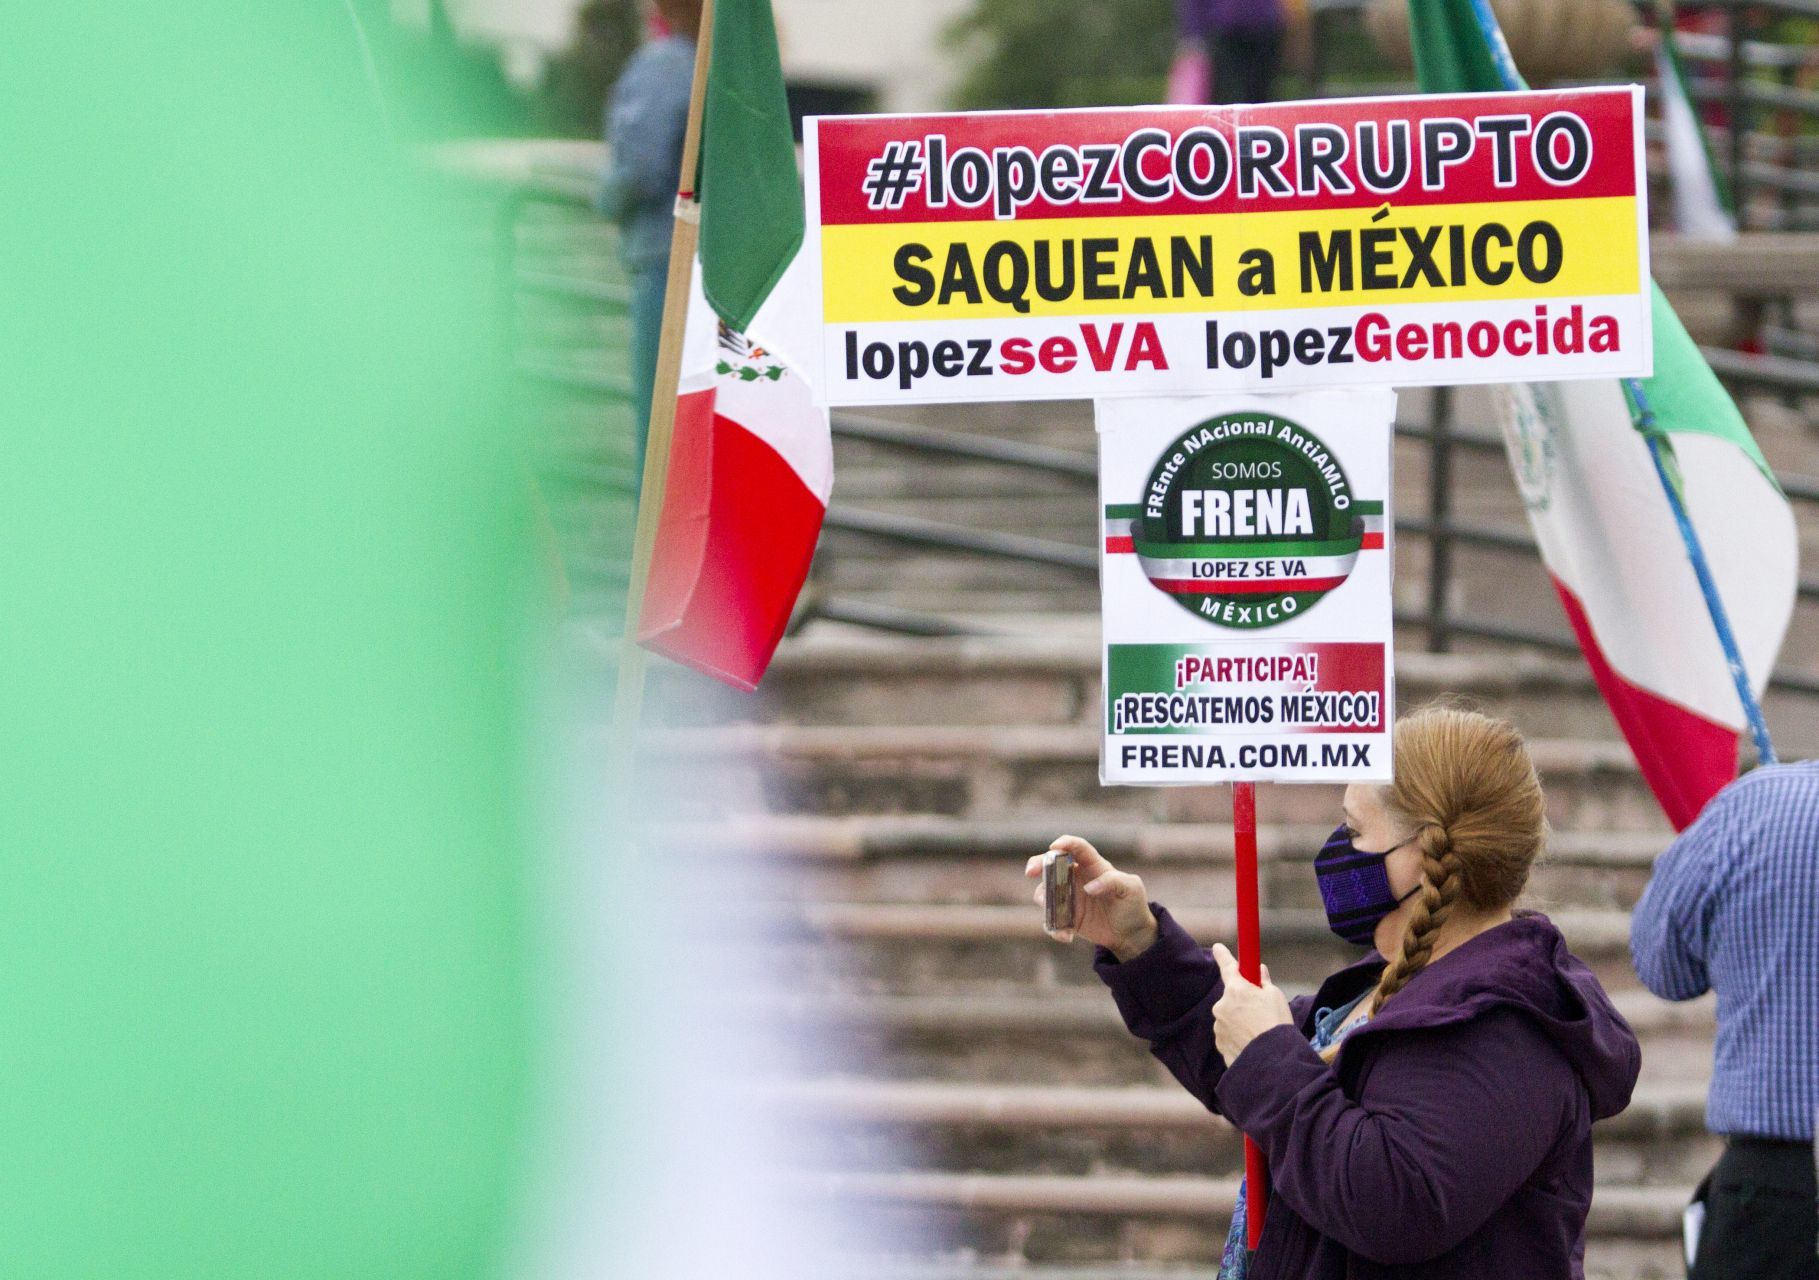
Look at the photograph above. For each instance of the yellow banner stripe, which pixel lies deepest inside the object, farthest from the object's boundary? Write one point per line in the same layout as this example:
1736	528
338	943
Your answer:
1598	253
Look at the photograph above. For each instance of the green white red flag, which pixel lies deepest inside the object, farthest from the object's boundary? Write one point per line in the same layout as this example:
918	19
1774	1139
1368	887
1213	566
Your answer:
1604	525
751	461
1702	198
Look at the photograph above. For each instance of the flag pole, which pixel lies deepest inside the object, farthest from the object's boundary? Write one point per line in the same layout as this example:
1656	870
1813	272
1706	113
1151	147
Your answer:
1250	964
628	700
1661	452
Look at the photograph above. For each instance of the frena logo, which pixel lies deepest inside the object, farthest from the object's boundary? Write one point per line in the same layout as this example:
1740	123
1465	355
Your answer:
1247	520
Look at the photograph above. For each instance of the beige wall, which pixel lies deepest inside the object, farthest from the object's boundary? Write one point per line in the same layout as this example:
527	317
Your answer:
891	46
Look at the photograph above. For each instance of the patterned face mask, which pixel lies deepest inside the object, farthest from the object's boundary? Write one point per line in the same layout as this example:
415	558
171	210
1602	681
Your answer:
1355	887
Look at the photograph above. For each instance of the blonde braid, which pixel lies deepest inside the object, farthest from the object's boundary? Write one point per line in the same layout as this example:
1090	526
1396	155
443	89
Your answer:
1439	891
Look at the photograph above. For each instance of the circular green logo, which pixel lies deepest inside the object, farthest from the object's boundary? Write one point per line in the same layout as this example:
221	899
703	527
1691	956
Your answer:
1249	520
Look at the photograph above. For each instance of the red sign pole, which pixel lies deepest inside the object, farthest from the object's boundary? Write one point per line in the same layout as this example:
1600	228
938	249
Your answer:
1250	964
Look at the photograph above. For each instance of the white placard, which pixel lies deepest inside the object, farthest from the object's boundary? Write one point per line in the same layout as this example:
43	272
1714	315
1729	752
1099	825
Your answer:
1245	582
1268	249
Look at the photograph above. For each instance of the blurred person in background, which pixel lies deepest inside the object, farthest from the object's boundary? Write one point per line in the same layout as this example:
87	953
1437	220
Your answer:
1427	1113
1244	41
1733	907
646	119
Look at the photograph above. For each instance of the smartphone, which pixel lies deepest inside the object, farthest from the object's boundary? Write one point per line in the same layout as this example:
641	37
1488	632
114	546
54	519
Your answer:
1057	890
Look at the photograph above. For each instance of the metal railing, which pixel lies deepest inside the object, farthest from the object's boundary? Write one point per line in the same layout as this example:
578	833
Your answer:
1753	75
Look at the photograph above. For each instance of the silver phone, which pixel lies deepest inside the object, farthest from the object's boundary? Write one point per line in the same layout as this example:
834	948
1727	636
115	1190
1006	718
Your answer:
1057	890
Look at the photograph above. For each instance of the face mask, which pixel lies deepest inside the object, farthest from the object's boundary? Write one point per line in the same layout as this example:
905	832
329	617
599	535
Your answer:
1355	887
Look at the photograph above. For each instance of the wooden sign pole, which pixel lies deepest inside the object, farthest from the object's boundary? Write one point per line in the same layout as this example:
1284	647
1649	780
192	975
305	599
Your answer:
628	702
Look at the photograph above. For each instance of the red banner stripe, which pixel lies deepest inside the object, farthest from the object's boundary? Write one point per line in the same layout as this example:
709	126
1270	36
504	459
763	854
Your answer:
1190	587
848	147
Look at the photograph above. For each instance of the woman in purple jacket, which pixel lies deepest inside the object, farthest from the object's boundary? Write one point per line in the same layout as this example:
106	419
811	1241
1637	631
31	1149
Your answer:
1427	1117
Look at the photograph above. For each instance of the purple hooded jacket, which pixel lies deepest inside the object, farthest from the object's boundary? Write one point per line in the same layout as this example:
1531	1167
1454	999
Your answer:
1452	1137
1201	18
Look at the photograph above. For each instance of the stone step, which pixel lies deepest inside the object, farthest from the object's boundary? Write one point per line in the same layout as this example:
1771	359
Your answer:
859	1267
860	559
1005	770
1066	518
978	610
985	1033
933	859
865	474
1632	1232
1610	1260
987	1012
1132	843
1063	423
856	562
1590	933
1648	1212
907	948
1155	1130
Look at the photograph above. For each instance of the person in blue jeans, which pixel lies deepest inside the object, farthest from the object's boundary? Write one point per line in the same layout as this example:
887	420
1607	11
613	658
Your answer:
1733	907
646	119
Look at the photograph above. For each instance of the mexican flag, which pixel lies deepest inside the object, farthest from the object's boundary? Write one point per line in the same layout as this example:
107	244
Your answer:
1606	529
751	462
1702	198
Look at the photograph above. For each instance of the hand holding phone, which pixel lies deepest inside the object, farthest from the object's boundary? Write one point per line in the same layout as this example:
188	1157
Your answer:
1082	895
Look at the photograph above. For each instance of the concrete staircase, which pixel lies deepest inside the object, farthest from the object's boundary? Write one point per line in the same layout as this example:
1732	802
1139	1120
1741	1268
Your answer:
974	1097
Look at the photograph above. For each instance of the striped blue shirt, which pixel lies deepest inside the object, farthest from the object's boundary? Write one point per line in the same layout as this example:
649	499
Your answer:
1733	907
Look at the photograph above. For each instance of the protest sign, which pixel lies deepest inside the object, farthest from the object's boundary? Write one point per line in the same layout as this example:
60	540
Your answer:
1182	250
1245	585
